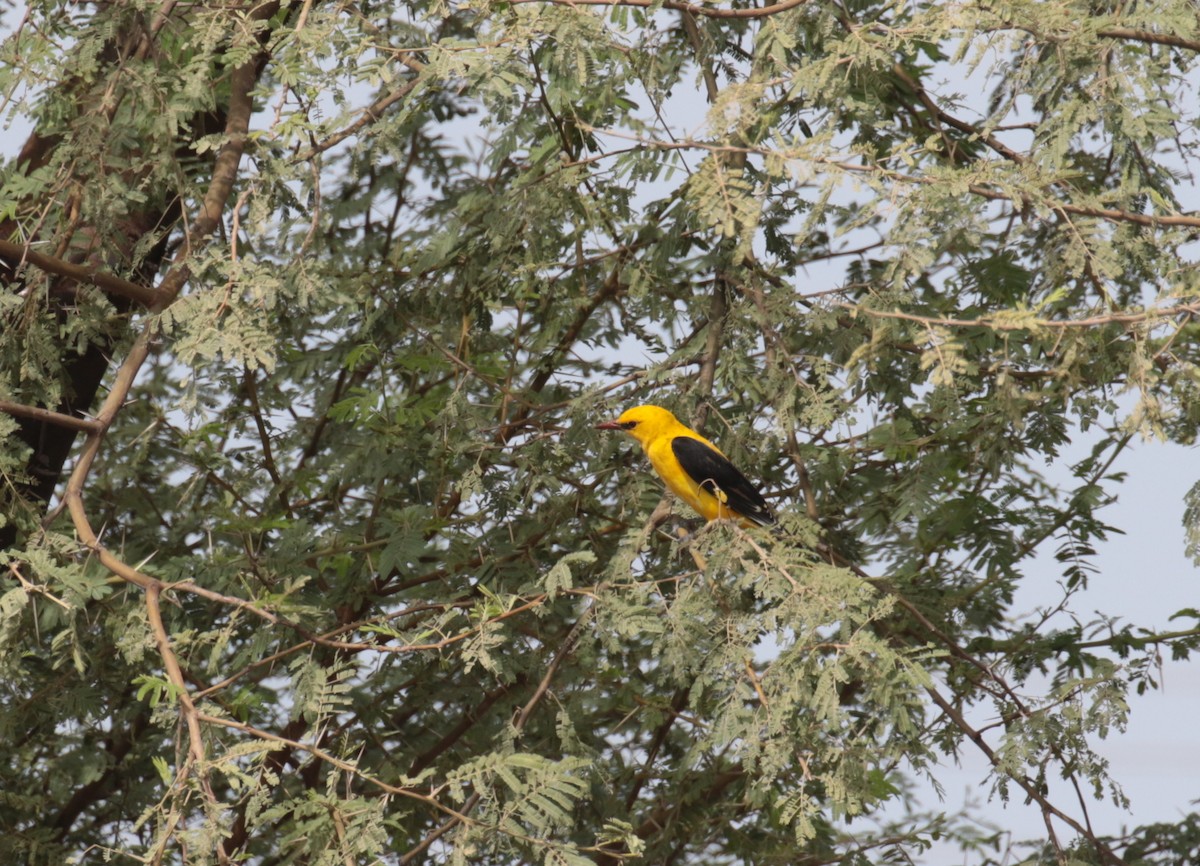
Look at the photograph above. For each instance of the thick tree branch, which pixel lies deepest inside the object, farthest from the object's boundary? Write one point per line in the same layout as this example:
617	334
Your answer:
1149	36
36	413
692	8
225	172
90	275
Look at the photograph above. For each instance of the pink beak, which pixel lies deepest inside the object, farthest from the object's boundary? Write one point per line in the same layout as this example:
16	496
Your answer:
608	425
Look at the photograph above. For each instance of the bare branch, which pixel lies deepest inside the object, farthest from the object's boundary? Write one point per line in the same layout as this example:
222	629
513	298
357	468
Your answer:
19	254
1148	36
36	413
693	8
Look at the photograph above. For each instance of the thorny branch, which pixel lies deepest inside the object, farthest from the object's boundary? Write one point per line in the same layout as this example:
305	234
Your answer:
225	167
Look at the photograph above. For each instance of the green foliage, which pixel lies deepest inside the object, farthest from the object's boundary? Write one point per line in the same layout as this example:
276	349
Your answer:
366	586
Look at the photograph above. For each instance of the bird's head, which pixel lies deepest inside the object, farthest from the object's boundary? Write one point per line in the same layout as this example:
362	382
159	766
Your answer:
642	422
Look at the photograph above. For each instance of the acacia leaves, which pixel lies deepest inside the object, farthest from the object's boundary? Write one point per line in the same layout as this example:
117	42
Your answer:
343	571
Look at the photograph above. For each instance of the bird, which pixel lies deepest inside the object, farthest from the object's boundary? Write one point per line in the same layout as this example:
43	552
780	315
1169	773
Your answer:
693	468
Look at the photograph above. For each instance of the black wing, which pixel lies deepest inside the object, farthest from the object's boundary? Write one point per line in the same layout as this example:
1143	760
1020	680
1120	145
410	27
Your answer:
722	479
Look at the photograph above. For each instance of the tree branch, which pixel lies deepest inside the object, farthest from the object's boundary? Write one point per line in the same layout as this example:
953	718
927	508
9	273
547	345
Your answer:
36	413
693	8
225	169
1032	790
1019	324
369	115
1148	36
90	275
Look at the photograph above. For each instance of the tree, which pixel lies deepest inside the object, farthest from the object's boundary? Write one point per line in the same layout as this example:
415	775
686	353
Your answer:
319	304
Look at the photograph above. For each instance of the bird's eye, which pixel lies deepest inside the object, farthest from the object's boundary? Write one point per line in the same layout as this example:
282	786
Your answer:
629	425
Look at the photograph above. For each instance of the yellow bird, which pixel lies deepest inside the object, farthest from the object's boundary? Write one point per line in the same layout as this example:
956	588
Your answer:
694	469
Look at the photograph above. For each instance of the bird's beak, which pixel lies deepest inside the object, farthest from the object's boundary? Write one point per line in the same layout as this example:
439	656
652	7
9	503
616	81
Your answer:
608	425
